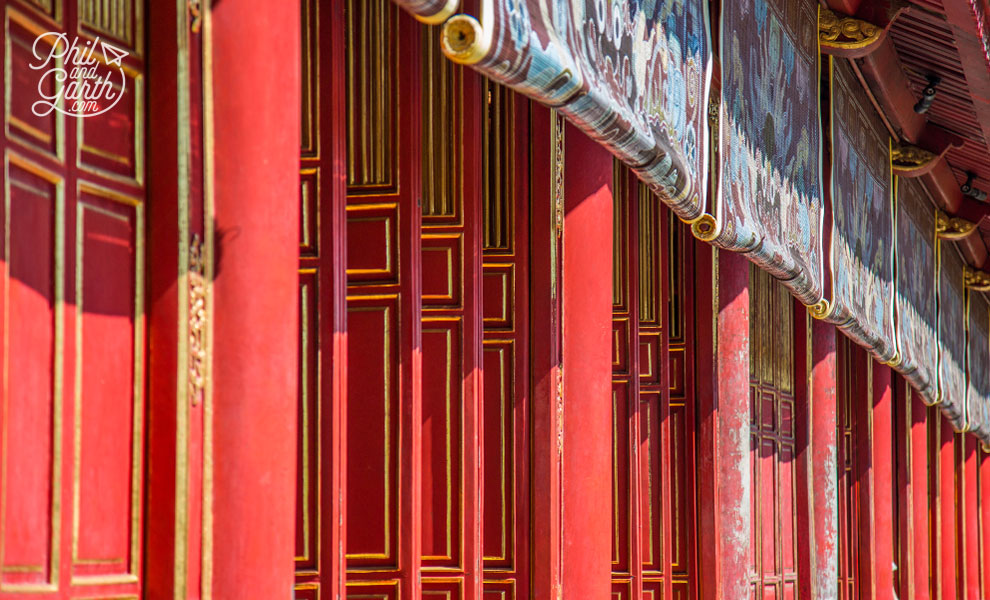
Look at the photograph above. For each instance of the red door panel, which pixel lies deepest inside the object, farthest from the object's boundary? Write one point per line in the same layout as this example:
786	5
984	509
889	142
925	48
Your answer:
72	427
772	435
652	400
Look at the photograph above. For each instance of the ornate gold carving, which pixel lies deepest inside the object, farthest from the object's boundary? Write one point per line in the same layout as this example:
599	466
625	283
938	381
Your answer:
906	157
558	171
195	16
952	228
895	361
197	321
975	279
706	228
845	33
714	105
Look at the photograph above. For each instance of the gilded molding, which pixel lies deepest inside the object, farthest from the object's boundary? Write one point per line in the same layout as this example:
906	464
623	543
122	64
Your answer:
838	34
952	228
558	172
975	279
911	161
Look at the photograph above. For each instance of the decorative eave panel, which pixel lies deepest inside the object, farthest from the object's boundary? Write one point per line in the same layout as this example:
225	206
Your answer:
978	368
917	339
951	334
635	79
862	241
769	202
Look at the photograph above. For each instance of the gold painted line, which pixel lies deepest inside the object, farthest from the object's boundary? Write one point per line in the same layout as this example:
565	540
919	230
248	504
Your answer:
77	388
137	438
181	531
209	241
107	193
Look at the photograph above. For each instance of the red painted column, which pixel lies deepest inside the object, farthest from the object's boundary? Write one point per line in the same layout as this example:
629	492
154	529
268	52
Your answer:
970	522
881	489
257	124
706	302
945	542
824	467
984	509
586	295
733	470
918	517
545	357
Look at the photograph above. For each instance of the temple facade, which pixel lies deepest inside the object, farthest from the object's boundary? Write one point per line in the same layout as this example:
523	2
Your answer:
495	300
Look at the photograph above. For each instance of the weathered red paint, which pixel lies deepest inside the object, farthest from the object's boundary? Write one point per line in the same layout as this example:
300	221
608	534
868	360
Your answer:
734	487
944	574
969	519
919	484
586	352
881	487
824	461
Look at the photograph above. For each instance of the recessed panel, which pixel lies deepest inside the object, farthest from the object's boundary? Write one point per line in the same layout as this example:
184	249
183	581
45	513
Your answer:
32	388
441	270
497	284
307	448
106	419
372	243
649	358
373	432
35	125
442	445
309	217
499	427
111	143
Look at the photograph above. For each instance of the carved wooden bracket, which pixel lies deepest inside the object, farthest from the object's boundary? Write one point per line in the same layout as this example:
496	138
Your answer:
841	35
975	279
919	158
912	161
952	228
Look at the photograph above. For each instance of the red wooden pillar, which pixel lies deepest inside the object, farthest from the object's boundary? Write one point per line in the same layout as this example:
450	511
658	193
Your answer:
732	438
945	530
587	368
880	491
918	515
969	522
545	349
257	125
824	461
983	477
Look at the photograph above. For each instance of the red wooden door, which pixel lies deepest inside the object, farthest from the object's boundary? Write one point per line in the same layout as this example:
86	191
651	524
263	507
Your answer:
652	399
435	192
72	306
772	434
